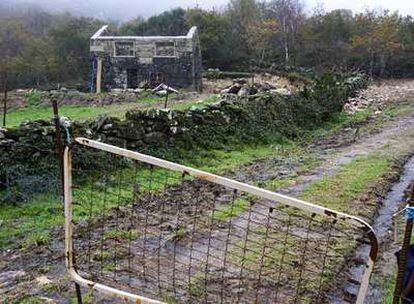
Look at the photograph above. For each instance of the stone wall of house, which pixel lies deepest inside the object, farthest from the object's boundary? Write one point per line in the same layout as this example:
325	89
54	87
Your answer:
175	61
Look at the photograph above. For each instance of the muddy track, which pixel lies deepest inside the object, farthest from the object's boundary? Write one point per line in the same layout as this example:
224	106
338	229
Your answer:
214	237
332	158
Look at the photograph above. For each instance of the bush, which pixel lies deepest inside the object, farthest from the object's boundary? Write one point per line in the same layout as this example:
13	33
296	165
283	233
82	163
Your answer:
326	97
224	75
34	97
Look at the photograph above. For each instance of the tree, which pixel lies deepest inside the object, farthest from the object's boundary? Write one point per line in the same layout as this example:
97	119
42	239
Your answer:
133	27
173	22
289	14
261	36
70	39
215	30
242	15
326	39
13	39
377	38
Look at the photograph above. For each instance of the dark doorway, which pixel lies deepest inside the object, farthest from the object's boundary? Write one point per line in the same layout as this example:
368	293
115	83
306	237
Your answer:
132	77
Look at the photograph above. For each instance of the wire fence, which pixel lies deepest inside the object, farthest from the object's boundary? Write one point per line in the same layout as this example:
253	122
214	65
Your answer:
178	235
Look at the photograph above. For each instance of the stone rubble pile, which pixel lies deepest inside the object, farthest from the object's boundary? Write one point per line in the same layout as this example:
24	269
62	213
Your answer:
379	95
243	87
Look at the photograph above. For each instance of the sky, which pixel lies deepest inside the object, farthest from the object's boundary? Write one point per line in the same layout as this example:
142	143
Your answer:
125	10
405	7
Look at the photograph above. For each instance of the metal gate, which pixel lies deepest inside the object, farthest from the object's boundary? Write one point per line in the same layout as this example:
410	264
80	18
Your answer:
148	230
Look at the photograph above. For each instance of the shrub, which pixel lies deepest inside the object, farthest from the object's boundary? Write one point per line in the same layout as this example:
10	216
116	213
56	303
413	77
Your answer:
327	96
223	75
34	97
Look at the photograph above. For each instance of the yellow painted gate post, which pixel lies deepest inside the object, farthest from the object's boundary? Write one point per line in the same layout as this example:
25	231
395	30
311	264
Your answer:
99	76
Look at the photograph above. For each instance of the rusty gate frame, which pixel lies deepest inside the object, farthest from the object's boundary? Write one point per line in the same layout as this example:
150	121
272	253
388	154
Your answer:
266	194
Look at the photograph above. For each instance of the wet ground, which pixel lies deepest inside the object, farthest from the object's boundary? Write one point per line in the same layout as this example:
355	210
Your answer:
31	272
385	230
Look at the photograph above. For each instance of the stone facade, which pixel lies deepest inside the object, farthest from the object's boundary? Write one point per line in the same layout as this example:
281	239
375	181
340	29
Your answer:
132	61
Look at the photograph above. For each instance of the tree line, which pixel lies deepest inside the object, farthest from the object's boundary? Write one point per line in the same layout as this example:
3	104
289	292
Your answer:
38	48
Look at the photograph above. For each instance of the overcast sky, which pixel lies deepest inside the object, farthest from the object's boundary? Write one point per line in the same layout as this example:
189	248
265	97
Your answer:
404	6
127	9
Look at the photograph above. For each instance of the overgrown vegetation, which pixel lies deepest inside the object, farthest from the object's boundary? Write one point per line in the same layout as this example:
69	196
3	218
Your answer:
247	34
225	75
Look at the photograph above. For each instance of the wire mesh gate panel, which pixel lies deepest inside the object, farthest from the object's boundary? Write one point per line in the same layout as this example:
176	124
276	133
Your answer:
152	231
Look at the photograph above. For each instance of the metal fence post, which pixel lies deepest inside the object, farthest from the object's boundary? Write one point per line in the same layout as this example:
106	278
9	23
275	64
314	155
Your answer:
58	140
402	264
59	152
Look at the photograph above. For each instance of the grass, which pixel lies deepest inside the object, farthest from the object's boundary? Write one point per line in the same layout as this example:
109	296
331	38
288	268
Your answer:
230	210
387	288
196	104
349	183
277	184
219	161
115	234
31	300
36	112
400	109
338	122
32	221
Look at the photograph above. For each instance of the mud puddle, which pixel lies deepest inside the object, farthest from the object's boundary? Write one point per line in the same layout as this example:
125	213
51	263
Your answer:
383	226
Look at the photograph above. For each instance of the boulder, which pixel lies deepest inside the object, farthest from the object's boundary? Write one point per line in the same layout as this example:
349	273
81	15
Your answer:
244	91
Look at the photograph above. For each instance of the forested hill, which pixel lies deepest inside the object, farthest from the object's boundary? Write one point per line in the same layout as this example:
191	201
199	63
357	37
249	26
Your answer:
39	48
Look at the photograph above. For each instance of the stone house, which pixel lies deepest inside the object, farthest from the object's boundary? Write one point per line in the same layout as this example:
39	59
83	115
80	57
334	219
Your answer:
131	61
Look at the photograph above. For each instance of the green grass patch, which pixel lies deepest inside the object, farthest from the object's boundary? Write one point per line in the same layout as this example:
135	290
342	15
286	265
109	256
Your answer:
34	98
230	210
277	184
34	112
114	234
349	183
400	109
387	288
31	300
87	298
338	122
196	104
219	161
31	221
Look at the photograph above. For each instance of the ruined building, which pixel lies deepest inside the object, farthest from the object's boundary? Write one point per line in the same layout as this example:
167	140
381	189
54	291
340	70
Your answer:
132	61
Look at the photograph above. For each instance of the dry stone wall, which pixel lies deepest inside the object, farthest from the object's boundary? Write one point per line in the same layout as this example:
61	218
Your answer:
170	133
154	131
